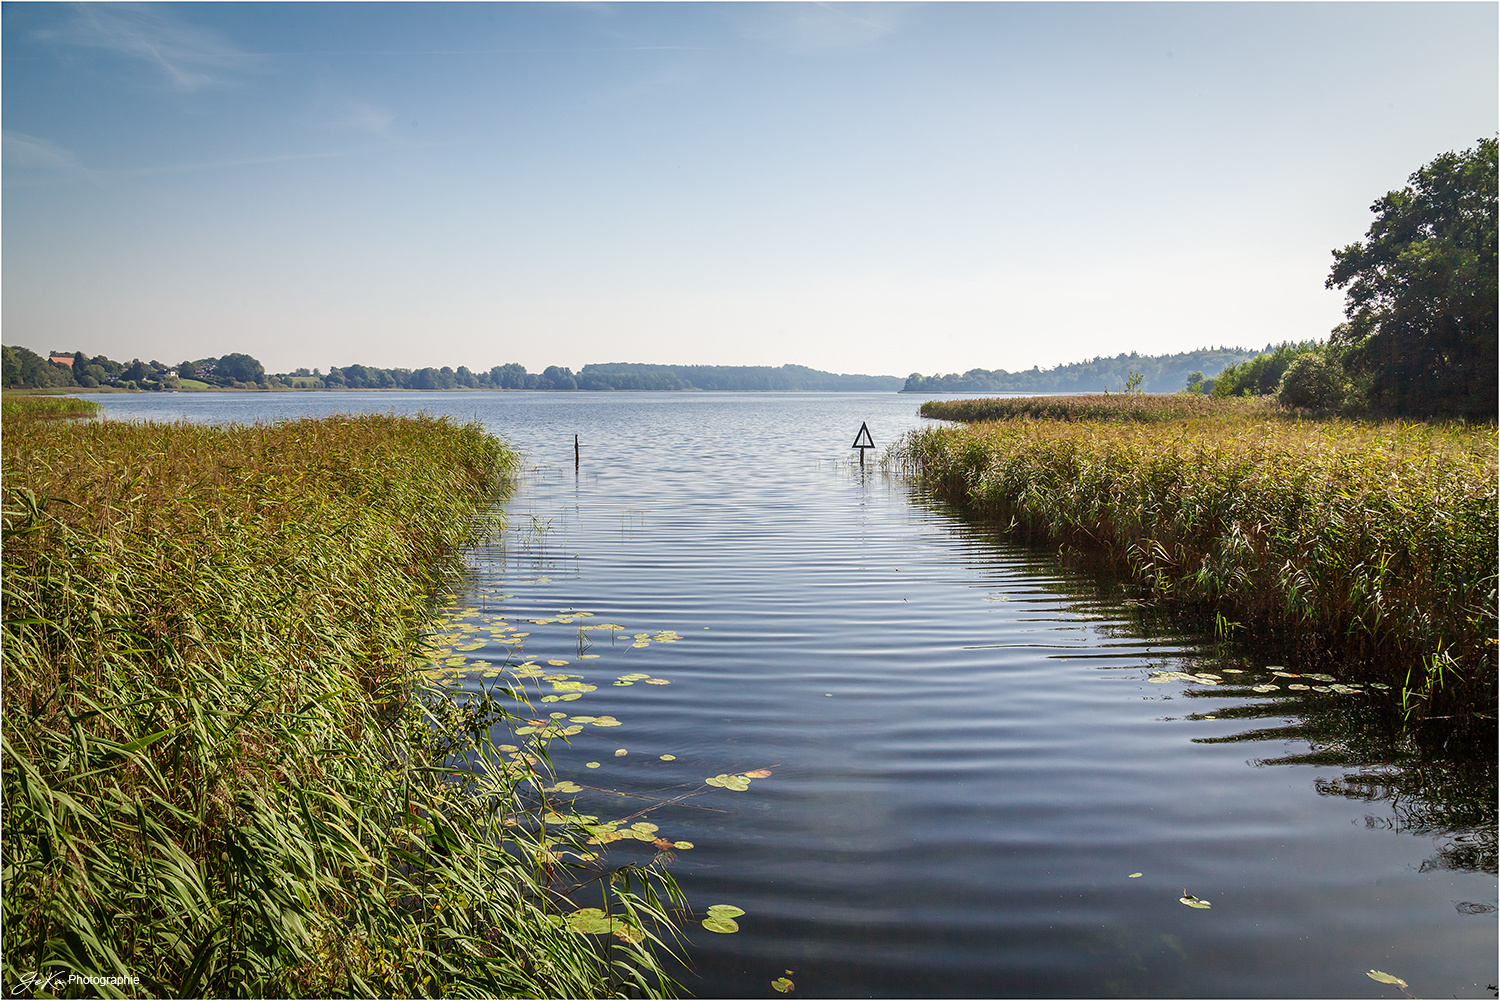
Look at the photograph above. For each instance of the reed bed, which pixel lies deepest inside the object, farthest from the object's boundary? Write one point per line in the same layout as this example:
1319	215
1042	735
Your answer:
1373	544
47	407
217	775
1137	407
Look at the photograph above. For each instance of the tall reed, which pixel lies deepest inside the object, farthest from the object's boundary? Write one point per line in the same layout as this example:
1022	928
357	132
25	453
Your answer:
217	775
1375	543
44	407
1141	407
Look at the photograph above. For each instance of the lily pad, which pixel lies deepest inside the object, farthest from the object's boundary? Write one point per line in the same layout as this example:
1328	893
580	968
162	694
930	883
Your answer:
621	752
1135	875
682	845
1192	901
782	985
726	911
759	773
1385	978
724	926
591	764
669	757
657	681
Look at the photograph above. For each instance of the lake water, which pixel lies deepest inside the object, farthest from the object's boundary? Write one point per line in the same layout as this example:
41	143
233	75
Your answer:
968	758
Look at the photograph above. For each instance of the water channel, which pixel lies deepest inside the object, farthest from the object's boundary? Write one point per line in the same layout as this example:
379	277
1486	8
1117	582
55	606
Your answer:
966	781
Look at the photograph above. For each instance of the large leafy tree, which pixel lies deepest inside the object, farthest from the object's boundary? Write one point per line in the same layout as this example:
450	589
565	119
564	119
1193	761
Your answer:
1421	291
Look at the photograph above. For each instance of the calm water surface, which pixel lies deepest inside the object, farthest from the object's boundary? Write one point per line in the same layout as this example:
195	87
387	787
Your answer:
968	759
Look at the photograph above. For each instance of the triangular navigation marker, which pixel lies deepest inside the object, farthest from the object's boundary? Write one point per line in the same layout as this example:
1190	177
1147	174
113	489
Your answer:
863	439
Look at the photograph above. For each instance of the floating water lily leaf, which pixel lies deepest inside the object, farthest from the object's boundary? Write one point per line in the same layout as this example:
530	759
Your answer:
566	786
634	677
588	921
508	748
1266	688
1285	674
1385	978
1297	688
571	697
557	663
1322	689
558	715
649	828
621	752
588	656
1192	901
782	985
726	911
1232	670
1345	689
738	783
1382	687
1135	875
583	719
682	845
607	721
657	681
1318	677
623	684
759	773
669	757
591	764
724	926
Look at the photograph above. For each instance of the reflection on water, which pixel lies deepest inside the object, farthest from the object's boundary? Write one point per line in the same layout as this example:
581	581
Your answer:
1433	784
990	773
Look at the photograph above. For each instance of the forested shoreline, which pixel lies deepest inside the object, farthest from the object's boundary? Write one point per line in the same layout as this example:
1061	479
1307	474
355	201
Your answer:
25	369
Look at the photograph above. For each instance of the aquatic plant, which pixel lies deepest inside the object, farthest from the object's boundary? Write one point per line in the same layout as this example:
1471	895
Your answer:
219	774
1374	543
1136	407
46	407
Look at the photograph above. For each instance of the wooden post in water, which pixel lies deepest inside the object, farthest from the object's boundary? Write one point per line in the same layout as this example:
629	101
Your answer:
576	459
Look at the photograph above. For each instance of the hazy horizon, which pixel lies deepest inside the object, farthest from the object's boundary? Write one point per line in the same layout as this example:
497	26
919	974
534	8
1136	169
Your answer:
873	189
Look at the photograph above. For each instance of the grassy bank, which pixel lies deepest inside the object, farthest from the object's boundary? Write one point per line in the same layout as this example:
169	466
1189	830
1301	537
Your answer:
1373	544
218	777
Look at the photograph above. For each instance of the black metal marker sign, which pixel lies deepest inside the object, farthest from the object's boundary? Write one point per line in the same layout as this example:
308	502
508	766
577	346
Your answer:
863	441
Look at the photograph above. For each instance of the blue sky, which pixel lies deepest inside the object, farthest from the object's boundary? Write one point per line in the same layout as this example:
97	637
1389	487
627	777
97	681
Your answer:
861	188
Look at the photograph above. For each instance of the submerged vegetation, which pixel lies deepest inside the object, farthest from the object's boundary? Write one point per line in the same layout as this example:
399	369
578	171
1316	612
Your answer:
1372	546
218	775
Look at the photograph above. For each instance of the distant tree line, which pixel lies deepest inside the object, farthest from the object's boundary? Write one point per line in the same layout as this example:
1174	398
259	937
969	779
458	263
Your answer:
26	369
1157	374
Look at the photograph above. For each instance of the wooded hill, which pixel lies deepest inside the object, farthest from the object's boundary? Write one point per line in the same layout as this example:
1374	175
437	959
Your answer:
1160	374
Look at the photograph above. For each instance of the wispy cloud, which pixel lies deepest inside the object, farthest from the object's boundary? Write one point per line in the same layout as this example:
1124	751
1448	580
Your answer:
188	57
41	155
812	26
361	117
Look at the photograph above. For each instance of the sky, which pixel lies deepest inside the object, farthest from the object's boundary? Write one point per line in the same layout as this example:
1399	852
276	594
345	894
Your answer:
883	189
